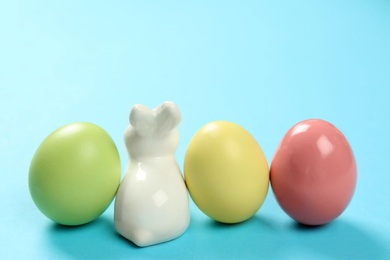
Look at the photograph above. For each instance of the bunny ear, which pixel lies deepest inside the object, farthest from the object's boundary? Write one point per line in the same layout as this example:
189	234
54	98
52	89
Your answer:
168	117
143	120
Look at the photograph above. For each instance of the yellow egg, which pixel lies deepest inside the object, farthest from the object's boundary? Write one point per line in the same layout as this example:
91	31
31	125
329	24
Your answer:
226	172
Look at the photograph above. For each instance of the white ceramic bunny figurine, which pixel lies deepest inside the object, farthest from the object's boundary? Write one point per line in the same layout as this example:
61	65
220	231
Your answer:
151	205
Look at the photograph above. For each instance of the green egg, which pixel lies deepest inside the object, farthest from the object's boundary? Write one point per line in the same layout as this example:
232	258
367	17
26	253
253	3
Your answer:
75	173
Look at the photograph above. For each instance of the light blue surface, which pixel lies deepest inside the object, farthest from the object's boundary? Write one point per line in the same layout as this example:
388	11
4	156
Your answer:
262	64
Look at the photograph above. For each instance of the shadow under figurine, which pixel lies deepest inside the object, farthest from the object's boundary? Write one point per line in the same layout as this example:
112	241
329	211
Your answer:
151	204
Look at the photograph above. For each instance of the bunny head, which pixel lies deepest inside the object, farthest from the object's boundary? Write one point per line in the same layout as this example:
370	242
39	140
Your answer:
153	132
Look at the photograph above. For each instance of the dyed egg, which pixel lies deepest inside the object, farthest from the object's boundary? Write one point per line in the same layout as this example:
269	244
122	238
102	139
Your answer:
226	172
313	172
75	173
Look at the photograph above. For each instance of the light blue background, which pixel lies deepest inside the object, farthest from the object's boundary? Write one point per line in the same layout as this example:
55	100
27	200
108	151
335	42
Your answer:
262	64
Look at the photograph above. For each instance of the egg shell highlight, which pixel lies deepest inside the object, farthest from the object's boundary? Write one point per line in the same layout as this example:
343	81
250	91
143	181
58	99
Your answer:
75	174
313	173
226	172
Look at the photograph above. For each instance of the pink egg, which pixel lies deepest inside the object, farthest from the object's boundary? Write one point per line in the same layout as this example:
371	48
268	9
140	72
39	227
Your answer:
313	172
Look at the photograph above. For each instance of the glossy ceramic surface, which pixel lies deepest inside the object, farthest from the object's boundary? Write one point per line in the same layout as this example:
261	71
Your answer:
226	172
151	205
313	172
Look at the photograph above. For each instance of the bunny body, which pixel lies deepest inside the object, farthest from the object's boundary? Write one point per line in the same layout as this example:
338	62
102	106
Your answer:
151	204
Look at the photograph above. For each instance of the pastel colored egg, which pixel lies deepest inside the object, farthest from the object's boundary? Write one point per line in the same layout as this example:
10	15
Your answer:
226	172
75	173
313	172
